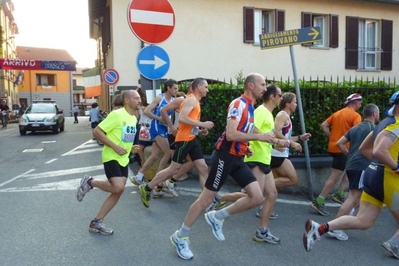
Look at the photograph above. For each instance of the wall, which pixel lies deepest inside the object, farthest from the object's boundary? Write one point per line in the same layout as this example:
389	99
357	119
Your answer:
208	41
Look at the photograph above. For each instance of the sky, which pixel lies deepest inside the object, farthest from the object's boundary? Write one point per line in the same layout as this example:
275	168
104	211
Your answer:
58	24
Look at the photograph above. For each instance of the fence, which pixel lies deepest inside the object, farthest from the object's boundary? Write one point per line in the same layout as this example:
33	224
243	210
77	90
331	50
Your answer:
320	98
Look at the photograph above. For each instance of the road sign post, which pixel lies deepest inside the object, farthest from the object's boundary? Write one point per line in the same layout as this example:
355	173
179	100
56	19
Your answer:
290	38
152	21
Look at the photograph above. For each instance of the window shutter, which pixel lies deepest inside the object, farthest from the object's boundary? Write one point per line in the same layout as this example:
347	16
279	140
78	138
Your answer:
306	21
106	30
248	24
280	20
386	44
334	36
352	42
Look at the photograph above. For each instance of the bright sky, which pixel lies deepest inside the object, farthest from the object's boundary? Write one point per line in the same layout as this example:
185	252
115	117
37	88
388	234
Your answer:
56	24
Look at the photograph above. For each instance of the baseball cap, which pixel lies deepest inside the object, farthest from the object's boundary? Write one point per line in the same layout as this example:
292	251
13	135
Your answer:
353	97
393	100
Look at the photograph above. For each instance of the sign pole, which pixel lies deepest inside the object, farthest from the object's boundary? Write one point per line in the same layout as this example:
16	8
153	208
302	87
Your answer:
302	121
154	89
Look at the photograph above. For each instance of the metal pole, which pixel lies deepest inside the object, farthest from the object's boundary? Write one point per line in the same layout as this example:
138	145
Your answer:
154	89
302	121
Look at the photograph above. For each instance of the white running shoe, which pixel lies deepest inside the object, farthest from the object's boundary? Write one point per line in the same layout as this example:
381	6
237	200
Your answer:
182	246
172	187
311	234
338	234
352	212
216	225
84	187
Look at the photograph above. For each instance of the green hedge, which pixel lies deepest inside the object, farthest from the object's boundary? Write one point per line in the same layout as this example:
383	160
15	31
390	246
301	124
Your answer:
320	98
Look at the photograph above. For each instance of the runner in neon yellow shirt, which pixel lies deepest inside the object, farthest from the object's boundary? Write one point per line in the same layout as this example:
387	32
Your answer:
117	132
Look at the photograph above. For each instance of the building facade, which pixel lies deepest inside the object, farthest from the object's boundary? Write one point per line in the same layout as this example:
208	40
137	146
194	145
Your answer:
51	85
219	39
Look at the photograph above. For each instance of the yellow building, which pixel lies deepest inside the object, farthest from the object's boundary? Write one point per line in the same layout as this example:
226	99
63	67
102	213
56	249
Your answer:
54	85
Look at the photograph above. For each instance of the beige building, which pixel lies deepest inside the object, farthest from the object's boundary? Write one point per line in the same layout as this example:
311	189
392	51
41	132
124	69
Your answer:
218	39
8	29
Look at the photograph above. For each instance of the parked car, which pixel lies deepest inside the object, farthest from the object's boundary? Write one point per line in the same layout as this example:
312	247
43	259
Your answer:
41	116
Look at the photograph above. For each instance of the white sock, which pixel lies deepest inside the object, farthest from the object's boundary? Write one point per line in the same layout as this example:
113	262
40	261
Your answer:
139	176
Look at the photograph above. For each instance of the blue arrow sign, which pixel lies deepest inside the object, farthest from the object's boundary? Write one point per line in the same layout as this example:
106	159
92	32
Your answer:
153	62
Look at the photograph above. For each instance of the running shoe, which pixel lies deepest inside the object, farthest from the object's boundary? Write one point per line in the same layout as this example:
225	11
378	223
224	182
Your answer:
273	215
216	225
266	237
338	234
99	227
145	195
161	194
391	248
338	198
84	187
353	212
216	205
320	208
311	234
172	187
182	246
136	181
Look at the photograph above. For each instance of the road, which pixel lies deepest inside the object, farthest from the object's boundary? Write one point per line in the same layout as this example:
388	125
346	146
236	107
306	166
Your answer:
44	224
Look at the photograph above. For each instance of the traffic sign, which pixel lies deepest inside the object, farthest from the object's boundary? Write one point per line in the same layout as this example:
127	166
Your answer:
289	37
153	62
152	21
110	76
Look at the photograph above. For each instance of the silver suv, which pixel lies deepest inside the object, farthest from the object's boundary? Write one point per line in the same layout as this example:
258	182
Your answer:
42	115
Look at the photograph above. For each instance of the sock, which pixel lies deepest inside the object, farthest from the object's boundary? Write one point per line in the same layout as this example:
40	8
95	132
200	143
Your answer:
218	197
139	176
148	188
95	220
172	180
89	182
340	192
184	231
320	200
158	188
263	230
395	240
324	228
221	214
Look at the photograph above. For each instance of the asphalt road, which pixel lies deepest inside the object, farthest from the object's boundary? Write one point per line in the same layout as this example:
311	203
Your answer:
42	223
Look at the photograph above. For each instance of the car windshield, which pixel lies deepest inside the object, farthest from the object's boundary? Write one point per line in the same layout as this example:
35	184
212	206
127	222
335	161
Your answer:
40	108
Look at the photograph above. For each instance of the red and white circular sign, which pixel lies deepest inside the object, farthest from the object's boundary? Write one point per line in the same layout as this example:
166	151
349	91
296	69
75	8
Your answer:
152	21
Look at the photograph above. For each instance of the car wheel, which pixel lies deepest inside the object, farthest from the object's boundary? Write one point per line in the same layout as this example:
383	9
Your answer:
55	129
62	127
22	132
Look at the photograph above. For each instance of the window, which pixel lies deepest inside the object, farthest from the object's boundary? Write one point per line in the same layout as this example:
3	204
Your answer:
258	21
45	80
74	82
328	28
368	44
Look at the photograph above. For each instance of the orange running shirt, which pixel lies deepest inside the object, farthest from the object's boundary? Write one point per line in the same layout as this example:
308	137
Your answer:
187	132
340	122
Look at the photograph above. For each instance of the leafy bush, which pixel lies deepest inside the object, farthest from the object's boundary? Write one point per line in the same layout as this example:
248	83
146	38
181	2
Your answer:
320	98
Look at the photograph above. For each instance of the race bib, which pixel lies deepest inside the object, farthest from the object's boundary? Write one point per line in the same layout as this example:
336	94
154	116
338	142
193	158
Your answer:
128	133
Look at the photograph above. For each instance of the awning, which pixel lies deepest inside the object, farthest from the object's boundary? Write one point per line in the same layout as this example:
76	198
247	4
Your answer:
28	64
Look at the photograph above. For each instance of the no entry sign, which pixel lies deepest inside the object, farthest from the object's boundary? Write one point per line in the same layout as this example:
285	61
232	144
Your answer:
152	21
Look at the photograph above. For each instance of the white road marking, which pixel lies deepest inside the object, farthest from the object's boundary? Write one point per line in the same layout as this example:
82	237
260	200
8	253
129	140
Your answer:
17	177
33	150
52	160
72	171
82	146
48	141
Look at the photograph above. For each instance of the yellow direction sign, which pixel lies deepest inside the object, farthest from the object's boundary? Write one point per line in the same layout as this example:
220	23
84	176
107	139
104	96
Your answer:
289	37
